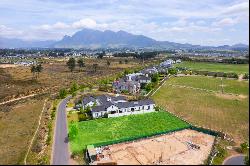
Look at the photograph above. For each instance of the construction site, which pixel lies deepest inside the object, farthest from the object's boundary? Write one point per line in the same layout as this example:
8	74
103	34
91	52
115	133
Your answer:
186	147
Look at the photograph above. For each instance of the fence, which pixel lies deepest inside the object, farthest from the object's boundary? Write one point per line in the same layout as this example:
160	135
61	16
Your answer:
137	138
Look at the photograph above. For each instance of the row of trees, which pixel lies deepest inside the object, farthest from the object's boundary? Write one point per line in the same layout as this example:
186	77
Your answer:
72	63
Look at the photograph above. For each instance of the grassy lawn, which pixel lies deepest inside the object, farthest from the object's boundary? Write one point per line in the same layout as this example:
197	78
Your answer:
215	67
113	129
211	83
212	110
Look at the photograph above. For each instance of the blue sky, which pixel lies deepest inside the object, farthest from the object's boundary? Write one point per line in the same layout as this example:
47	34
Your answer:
204	22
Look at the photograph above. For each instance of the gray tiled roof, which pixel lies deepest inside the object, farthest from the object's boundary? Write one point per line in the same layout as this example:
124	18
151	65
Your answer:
98	108
88	99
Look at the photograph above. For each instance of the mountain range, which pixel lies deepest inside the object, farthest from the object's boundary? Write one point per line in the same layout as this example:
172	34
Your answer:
89	38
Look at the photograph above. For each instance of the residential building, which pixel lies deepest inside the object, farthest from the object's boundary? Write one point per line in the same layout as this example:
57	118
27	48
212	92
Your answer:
117	106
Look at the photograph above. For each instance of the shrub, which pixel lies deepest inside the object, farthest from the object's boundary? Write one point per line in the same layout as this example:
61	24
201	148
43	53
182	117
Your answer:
172	71
82	117
105	115
53	114
246	159
245	76
224	74
73	132
63	93
244	147
221	152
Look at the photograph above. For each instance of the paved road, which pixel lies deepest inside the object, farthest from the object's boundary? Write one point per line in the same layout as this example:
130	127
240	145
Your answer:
236	160
61	154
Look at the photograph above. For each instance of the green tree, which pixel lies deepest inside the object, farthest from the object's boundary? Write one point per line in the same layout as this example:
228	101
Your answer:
108	63
155	78
39	68
172	71
95	67
73	132
74	87
80	63
71	64
244	147
62	93
33	70
148	87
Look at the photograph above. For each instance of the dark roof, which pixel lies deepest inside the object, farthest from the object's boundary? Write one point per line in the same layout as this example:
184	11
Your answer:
144	78
88	99
98	108
135	103
116	98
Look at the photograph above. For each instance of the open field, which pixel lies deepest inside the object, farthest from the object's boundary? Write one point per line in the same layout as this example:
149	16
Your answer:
17	127
211	83
108	130
228	113
19	81
215	67
168	149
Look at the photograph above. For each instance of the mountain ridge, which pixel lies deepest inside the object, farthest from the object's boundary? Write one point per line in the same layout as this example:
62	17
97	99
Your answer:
91	38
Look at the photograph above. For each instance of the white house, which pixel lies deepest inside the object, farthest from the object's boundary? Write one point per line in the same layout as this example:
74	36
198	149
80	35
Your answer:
117	106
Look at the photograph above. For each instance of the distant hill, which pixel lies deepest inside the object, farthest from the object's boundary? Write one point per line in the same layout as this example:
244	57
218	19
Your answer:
18	43
89	38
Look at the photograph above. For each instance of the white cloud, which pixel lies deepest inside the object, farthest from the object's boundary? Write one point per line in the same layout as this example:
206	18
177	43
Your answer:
9	32
237	9
84	23
225	22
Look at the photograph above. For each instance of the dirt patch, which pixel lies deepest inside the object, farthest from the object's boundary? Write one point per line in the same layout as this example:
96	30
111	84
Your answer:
175	148
231	97
8	65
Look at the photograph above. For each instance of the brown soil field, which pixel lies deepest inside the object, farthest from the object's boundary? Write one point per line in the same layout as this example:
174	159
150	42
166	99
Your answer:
169	149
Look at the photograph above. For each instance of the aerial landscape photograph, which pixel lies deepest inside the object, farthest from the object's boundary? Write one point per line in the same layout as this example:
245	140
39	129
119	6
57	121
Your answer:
124	82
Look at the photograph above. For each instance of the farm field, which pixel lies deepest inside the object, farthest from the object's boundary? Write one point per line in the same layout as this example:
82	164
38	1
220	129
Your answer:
121	128
211	83
228	113
215	67
17	126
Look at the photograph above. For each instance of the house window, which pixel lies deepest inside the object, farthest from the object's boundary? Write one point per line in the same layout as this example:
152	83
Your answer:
96	114
113	112
120	111
143	107
148	107
132	109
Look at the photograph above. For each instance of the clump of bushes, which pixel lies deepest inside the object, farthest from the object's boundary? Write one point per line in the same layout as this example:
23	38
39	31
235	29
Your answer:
246	76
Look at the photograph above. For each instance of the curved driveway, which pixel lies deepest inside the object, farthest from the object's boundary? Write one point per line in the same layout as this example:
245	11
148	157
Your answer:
60	152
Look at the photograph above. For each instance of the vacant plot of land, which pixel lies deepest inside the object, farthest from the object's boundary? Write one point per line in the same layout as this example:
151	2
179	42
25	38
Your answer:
215	67
120	128
211	83
213	110
169	149
17	127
